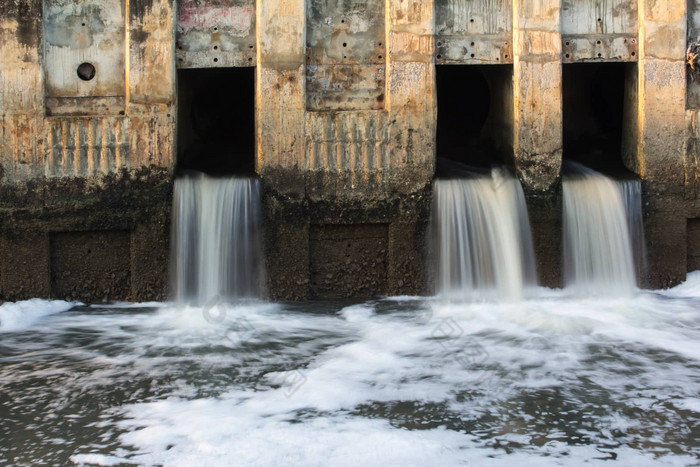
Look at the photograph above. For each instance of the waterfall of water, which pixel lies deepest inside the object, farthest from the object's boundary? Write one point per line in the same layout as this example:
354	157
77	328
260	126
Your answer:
598	250
632	196
217	241
481	238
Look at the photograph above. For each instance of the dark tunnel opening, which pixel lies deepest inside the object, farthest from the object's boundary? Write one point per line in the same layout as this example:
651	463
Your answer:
594	108
216	120
475	116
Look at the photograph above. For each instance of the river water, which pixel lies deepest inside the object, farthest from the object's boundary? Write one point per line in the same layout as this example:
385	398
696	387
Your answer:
551	380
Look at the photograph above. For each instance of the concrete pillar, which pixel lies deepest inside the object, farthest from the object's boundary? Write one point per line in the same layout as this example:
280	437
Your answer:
281	98
537	92
280	112
411	96
662	89
537	126
661	141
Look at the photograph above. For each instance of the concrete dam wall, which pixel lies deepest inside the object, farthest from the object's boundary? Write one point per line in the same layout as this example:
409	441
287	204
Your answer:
343	109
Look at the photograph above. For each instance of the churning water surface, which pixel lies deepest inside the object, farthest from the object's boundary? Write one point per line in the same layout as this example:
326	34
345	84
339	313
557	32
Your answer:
552	380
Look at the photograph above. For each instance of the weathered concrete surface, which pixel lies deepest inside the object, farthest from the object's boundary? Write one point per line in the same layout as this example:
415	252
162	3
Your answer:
345	129
86	166
537	93
72	234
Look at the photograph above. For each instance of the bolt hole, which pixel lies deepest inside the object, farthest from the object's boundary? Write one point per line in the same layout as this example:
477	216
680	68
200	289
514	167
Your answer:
380	44
568	56
471	20
634	53
250	59
380	57
82	24
345	56
121	112
599	20
216	47
439	56
342	20
472	44
506	55
600	55
216	29
216	59
472	55
86	71
250	46
345	44
568	43
598	42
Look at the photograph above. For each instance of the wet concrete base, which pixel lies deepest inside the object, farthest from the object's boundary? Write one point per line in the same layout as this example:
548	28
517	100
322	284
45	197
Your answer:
108	240
345	248
91	240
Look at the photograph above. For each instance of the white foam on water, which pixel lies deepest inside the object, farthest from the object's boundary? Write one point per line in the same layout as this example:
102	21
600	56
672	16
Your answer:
17	316
545	381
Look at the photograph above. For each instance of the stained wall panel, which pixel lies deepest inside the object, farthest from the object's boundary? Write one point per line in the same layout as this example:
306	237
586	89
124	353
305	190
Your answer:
345	55
215	33
90	33
473	31
599	30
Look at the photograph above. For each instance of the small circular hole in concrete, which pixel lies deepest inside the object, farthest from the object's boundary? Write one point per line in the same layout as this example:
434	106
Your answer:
250	59
598	42
599	20
82	24
471	20
634	53
472	44
473	56
86	71
216	47
380	57
567	56
216	59
250	46
345	44
506	55
342	20
439	56
121	112
568	43
600	55
380	44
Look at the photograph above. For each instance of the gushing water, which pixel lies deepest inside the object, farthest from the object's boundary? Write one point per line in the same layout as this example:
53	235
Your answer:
481	238
217	240
598	252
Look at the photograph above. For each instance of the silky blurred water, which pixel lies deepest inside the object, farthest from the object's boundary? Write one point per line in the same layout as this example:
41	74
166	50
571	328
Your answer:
553	380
